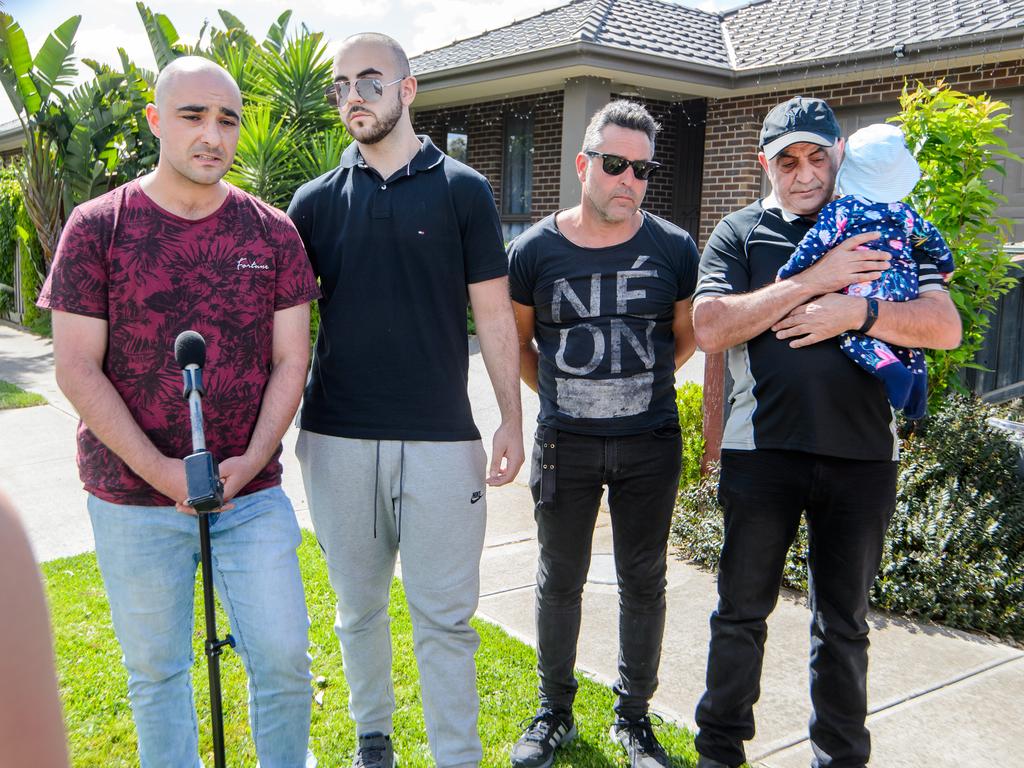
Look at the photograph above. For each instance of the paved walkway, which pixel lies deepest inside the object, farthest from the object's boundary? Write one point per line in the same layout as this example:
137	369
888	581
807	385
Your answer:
938	697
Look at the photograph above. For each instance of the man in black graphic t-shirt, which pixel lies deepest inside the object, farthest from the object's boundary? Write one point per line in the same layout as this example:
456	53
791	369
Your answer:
604	288
808	432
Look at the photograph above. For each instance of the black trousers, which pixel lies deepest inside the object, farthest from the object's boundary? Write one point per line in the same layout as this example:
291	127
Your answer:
848	505
642	475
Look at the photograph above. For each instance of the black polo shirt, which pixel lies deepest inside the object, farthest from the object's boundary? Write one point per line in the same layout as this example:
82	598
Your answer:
813	399
394	258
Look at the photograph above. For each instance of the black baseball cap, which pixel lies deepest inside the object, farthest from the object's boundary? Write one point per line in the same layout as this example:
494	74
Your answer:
796	120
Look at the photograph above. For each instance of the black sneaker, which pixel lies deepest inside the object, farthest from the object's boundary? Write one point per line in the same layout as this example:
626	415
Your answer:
374	751
638	739
544	734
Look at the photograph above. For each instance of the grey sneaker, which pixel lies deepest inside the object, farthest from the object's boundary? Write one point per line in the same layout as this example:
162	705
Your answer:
541	737
374	751
638	739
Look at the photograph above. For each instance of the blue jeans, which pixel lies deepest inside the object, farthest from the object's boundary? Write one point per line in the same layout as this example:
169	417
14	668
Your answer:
148	558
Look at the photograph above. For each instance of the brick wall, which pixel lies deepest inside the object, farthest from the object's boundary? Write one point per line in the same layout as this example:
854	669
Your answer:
732	177
484	125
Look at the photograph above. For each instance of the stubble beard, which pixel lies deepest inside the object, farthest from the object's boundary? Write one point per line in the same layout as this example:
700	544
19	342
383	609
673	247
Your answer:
198	177
605	213
385	123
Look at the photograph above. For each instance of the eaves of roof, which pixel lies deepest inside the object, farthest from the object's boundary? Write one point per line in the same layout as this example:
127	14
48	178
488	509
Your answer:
12	136
719	81
578	54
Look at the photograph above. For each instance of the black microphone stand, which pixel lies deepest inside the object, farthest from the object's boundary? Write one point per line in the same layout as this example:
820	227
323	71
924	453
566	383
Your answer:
205	495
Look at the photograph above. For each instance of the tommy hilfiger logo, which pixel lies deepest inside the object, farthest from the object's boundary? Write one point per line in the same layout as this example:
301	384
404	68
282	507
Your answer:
477	495
244	263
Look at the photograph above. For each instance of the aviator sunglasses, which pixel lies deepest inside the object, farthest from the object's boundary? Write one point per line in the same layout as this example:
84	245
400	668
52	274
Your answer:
370	89
615	165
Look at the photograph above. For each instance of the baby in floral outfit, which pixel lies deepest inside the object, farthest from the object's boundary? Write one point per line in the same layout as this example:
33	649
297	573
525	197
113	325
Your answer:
877	172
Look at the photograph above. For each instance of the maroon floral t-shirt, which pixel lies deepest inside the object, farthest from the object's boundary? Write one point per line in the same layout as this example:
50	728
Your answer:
151	275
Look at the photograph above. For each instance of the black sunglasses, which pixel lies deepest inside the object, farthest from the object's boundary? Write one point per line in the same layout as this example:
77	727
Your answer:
370	89
614	165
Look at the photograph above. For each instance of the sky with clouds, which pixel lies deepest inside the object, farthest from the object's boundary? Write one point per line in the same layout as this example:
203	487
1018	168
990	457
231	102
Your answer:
419	25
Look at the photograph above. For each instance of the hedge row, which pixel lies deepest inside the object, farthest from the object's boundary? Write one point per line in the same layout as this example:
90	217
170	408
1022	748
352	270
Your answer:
954	552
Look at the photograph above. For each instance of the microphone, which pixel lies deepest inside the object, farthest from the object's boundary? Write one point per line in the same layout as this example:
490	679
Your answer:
205	490
205	494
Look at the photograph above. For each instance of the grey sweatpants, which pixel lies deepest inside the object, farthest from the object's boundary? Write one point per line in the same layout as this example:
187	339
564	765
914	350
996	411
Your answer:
371	500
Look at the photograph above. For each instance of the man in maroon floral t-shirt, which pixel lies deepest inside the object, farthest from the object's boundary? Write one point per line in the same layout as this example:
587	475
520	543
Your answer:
181	249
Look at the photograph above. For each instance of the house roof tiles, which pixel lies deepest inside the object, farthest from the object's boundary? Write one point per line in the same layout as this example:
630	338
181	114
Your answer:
759	34
657	27
789	31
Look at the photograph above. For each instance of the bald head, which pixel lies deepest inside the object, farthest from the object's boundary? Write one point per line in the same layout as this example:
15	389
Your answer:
375	39
189	73
197	116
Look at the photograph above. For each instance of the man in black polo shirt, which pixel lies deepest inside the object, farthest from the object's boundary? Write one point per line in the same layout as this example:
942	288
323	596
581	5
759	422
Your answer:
807	432
391	460
605	289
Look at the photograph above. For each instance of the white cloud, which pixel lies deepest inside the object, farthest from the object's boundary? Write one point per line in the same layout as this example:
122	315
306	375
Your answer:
441	22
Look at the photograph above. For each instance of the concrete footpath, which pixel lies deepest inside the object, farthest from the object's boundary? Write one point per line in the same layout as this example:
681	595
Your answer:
937	697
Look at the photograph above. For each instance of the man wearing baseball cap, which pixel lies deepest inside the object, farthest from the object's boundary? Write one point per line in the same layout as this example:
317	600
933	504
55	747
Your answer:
806	433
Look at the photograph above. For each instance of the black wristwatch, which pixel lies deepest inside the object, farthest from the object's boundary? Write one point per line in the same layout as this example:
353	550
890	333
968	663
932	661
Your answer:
872	315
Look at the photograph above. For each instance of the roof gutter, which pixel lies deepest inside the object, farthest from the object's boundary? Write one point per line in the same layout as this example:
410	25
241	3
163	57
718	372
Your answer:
945	52
577	53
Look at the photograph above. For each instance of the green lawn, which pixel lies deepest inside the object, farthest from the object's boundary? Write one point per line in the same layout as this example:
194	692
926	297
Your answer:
93	684
15	397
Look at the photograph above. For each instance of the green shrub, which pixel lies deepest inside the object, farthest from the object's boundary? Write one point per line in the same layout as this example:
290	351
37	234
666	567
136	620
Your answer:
32	275
10	201
954	552
314	323
697	526
959	140
690	402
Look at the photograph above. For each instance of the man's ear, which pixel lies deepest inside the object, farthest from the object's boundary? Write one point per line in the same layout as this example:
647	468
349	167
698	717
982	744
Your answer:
582	163
153	118
763	160
408	90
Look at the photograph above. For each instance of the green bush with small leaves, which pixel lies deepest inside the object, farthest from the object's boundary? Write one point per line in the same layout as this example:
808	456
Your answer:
10	201
954	552
33	274
959	140
690	402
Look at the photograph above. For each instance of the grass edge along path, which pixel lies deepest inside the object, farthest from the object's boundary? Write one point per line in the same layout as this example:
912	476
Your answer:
101	733
13	396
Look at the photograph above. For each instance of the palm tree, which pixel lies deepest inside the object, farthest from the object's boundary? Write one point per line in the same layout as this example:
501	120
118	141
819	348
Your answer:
289	132
78	144
31	84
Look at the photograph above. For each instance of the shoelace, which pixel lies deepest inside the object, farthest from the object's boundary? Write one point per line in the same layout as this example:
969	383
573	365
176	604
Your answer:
372	755
539	728
641	731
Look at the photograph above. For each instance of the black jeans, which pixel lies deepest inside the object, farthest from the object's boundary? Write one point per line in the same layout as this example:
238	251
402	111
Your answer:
642	475
848	505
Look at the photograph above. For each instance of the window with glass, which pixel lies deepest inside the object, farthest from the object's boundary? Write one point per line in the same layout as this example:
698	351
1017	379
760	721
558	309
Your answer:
517	175
458	144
